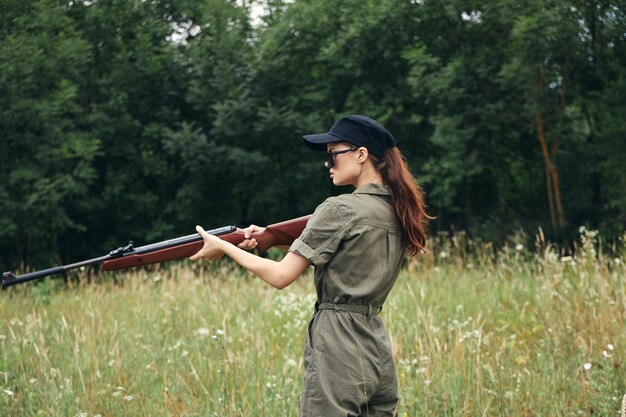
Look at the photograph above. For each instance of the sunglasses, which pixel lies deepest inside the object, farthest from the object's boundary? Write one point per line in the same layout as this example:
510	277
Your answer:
330	156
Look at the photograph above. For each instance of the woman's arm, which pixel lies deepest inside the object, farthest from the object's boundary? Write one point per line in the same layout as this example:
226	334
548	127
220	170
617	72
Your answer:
277	274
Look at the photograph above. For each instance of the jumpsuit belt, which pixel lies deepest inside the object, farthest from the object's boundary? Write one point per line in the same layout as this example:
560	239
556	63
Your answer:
368	310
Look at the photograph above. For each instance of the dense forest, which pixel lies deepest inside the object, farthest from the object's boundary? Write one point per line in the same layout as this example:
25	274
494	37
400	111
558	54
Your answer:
138	119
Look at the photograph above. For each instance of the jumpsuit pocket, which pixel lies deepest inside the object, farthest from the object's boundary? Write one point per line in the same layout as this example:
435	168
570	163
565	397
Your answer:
314	340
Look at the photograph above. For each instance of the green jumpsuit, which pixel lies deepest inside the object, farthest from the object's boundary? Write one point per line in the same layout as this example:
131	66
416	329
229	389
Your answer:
356	244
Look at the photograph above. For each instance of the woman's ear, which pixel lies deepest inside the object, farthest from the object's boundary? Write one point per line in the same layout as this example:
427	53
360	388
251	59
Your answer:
363	153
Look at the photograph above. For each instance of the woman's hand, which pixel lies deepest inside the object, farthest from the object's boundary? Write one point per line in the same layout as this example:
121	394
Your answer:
278	274
212	249
249	244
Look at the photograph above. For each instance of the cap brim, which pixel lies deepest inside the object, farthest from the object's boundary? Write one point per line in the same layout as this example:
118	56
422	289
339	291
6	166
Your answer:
318	142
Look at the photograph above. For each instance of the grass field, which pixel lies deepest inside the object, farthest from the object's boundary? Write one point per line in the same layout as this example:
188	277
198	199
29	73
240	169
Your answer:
475	332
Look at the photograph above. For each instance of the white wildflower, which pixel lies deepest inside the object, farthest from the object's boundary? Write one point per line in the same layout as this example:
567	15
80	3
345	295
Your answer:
587	366
291	363
610	346
129	398
185	353
519	247
9	393
443	254
617	261
219	332
606	354
202	331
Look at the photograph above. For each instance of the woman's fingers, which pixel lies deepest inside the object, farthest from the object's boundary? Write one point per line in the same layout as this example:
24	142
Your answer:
211	248
248	244
198	254
247	232
202	232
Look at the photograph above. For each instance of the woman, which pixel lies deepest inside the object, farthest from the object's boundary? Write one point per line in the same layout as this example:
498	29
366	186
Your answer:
356	242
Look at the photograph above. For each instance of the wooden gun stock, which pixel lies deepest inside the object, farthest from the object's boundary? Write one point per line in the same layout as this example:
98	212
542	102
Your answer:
278	234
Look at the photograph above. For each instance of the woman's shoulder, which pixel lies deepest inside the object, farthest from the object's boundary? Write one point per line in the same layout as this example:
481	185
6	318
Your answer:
364	208
343	204
334	210
339	205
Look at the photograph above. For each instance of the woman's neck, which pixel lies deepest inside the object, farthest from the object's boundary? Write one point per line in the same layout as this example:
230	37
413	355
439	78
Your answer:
369	176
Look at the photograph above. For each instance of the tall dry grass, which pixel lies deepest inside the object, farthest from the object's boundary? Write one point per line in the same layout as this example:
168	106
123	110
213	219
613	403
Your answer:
512	332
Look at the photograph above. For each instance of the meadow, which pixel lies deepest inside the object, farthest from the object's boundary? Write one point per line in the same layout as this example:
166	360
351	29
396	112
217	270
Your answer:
519	331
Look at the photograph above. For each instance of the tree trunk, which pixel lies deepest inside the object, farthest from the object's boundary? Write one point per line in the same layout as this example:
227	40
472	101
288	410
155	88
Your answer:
552	175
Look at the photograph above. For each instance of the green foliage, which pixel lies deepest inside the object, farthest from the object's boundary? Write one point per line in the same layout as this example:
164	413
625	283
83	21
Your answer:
137	120
48	149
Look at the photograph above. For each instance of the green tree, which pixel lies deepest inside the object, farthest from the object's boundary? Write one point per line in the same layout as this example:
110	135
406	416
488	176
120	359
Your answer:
47	146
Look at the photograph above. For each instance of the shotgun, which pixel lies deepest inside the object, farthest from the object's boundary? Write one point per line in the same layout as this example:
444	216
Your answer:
129	256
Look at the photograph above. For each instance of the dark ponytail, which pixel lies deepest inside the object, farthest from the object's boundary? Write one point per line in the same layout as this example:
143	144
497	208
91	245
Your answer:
408	199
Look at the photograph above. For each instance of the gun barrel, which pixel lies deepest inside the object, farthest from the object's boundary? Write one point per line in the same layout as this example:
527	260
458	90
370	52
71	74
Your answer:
9	278
279	234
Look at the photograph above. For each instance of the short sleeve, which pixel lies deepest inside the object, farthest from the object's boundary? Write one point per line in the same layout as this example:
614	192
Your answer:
323	234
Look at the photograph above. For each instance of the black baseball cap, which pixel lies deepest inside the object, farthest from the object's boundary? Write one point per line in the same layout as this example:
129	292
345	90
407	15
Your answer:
357	130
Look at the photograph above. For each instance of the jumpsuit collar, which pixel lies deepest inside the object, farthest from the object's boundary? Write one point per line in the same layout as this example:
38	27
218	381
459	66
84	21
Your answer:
372	188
